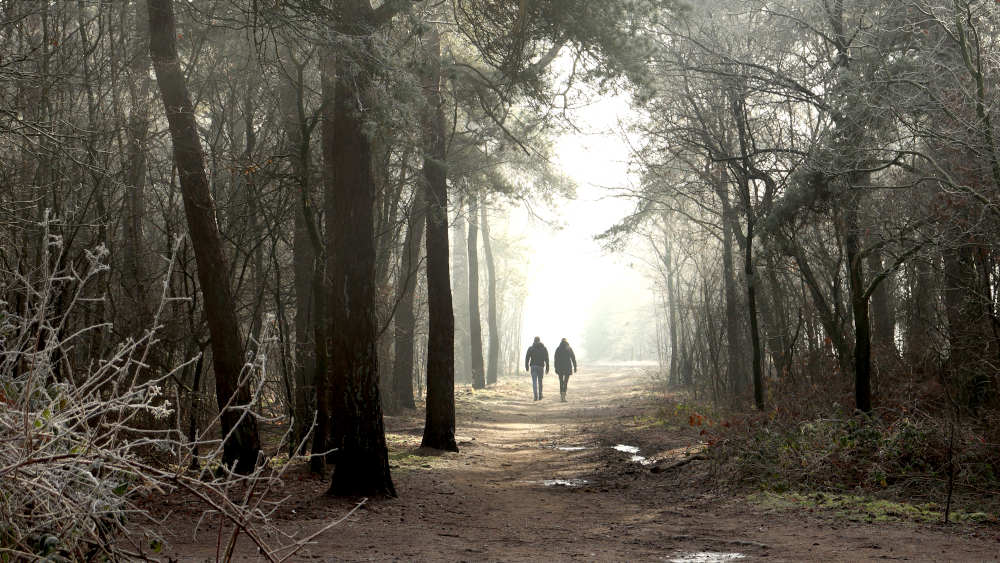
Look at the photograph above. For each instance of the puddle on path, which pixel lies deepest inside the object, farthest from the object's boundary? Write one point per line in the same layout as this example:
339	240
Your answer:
565	482
636	458
559	448
640	459
706	557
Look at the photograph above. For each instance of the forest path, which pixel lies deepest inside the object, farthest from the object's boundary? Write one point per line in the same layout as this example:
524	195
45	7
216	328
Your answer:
541	481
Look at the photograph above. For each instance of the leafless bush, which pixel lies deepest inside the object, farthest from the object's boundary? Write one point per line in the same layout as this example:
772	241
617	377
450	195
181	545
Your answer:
71	450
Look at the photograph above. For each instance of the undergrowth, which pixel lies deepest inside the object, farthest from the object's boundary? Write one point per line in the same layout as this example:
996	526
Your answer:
860	508
902	453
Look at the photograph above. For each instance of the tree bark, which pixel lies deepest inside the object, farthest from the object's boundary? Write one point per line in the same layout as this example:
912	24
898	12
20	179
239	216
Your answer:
672	304
406	319
363	457
491	311
247	184
859	307
439	428
136	274
321	381
303	258
920	314
325	442
779	340
389	193
239	428
748	268
734	348
460	293
970	341
475	323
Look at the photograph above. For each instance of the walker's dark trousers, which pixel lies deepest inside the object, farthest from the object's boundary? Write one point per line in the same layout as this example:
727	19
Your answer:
563	382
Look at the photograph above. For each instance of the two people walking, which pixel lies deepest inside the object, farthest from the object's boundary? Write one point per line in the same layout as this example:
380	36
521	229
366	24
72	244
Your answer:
536	361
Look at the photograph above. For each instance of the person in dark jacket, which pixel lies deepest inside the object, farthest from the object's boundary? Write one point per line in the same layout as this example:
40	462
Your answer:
565	361
536	359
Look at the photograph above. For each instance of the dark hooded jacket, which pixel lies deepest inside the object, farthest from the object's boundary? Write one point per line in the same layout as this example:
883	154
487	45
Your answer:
538	355
564	359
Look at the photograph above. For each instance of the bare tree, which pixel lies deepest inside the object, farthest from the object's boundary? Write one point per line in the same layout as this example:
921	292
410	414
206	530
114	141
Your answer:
439	429
238	425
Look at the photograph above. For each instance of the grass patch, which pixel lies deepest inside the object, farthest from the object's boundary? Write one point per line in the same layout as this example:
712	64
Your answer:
654	421
405	455
858	508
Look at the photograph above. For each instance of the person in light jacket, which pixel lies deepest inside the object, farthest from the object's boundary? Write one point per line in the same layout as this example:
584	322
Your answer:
565	361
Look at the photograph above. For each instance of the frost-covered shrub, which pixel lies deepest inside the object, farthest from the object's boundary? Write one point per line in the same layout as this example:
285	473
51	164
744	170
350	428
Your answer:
69	461
73	440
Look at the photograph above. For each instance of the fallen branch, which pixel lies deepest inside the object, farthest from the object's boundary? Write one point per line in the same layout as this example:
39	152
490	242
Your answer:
660	468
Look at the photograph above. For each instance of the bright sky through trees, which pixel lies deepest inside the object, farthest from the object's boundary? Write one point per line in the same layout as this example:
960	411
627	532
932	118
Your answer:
568	270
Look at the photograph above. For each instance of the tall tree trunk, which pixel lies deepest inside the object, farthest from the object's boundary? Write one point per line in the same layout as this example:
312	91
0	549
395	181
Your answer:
460	293
324	412
859	306
242	445
747	177
779	341
969	337
248	185
475	323
672	305
324	439
406	319
439	428
748	269
135	275
734	348
363	460
712	344
920	314
303	257
850	136
491	311
389	193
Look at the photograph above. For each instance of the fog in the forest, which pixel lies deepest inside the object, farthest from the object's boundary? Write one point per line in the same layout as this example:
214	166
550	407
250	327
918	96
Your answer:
243	241
599	300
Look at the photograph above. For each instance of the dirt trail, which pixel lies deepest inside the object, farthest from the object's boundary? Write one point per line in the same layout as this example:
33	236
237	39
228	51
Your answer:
541	481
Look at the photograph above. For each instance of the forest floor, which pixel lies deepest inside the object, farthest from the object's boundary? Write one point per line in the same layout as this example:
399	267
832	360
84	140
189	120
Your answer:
542	481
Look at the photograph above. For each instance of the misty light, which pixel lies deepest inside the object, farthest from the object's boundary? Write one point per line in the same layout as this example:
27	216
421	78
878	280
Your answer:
569	274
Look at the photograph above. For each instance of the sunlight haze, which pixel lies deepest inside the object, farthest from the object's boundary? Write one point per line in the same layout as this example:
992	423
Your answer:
569	271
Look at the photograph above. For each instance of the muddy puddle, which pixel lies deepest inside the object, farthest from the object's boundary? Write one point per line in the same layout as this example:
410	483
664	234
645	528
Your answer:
706	557
636	458
566	448
565	482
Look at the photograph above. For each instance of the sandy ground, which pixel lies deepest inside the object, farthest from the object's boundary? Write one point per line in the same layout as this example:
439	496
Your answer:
542	481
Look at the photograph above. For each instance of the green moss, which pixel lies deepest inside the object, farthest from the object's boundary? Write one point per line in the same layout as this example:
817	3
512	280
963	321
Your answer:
645	422
278	461
411	459
864	509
